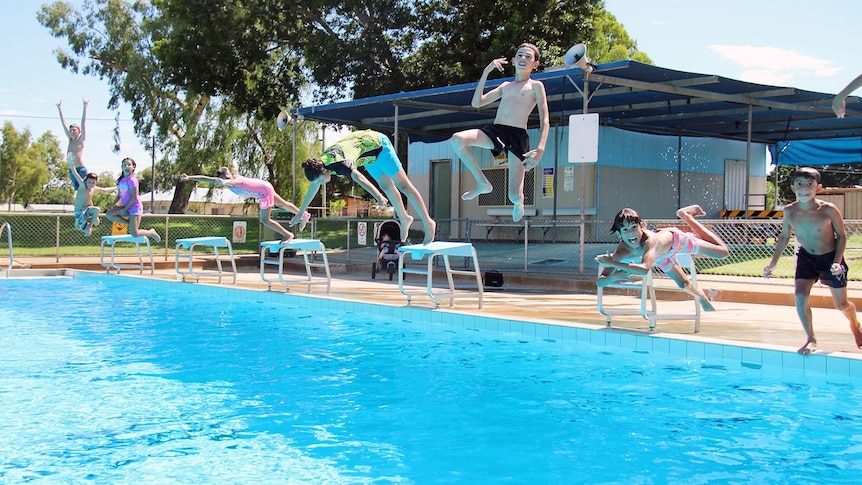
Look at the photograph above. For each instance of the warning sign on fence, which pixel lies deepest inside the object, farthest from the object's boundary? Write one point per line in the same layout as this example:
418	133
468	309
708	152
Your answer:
361	233
239	231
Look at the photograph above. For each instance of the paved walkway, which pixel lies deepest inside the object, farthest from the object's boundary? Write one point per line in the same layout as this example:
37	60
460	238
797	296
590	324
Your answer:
761	315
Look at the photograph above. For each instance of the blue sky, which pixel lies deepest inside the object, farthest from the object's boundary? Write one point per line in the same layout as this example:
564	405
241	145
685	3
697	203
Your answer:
807	45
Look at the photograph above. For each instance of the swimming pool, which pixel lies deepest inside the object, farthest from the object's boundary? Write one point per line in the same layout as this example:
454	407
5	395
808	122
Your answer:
116	379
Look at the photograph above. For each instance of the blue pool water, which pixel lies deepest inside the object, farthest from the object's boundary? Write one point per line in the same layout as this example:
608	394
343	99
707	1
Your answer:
115	380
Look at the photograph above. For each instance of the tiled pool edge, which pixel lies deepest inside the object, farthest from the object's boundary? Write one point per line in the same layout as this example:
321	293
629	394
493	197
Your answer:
834	368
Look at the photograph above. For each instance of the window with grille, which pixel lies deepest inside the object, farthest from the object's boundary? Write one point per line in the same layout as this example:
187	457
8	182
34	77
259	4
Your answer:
499	178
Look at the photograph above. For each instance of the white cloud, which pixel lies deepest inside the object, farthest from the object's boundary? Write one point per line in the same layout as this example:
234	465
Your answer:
781	63
764	76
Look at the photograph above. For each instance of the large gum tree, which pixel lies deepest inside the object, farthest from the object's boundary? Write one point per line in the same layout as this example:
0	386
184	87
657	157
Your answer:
116	41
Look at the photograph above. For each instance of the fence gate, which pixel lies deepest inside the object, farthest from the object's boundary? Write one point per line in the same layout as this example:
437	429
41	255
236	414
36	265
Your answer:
734	184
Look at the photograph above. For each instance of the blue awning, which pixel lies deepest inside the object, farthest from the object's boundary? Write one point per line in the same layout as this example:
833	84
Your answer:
627	95
817	152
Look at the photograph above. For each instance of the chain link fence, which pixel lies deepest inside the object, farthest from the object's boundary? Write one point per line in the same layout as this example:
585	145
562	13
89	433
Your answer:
531	246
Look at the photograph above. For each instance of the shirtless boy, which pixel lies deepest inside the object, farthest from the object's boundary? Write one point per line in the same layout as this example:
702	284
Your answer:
86	213
77	134
640	249
508	134
819	229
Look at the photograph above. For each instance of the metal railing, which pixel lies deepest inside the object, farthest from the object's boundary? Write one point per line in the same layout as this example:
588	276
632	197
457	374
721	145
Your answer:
8	228
566	247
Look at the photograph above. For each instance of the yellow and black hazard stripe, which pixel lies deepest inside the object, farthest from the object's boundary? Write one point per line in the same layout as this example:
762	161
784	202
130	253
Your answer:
751	214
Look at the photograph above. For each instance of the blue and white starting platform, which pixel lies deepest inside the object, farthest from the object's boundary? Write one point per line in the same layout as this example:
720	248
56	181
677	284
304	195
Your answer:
444	249
186	250
111	242
305	246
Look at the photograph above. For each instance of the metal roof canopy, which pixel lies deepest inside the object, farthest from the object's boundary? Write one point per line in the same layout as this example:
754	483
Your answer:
626	94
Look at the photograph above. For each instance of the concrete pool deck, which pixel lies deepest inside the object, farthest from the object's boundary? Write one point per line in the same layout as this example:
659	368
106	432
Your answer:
760	315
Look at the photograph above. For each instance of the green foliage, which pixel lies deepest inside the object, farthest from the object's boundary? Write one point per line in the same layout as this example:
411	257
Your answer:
121	41
261	53
24	164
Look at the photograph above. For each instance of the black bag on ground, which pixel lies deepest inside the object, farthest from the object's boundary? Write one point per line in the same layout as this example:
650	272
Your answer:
493	278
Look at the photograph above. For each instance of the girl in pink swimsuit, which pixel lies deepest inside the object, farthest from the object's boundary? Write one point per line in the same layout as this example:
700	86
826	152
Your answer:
130	206
258	189
640	249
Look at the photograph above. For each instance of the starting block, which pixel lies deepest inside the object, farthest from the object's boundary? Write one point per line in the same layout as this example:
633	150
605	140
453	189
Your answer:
111	241
303	245
646	288
444	249
189	245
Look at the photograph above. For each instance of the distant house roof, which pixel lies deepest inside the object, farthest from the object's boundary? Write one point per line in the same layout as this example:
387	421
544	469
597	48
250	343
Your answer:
202	195
50	207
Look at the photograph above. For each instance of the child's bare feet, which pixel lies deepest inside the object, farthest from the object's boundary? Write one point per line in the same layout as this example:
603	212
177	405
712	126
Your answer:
810	346
690	211
405	225
156	237
857	334
518	211
482	188
706	305
430	231
303	221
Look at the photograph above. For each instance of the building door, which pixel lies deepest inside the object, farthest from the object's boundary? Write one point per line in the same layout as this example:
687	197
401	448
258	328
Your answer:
735	174
440	205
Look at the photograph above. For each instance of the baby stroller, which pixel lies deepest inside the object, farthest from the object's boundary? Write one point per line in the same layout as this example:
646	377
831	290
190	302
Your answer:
388	240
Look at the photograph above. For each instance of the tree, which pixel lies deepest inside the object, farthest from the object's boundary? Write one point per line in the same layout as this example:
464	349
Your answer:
24	164
117	41
611	42
256	51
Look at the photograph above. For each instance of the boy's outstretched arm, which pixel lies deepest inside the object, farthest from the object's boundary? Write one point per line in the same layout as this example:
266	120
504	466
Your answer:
839	104
202	178
534	156
313	189
366	184
63	119
74	172
840	238
105	190
780	243
480	98
84	120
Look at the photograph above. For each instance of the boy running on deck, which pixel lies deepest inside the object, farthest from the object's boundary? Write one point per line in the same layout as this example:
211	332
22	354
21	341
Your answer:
819	229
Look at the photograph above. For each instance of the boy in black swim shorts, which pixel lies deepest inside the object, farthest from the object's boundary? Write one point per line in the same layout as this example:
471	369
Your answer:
508	134
819	229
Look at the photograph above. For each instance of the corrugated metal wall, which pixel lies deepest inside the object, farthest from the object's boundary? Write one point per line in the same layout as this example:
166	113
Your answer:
634	170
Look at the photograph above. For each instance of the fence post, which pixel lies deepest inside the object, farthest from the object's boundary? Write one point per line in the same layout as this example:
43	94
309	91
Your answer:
526	243
348	239
581	229
167	218
57	239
